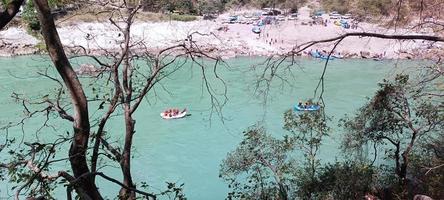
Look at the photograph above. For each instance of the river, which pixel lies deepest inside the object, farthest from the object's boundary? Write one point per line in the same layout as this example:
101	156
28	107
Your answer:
190	150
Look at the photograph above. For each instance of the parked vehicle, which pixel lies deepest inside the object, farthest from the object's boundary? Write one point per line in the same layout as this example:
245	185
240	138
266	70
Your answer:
233	19
280	18
335	16
293	16
248	16
271	12
209	16
346	16
319	13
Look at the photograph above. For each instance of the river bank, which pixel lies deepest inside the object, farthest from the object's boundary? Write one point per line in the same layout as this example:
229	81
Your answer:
223	39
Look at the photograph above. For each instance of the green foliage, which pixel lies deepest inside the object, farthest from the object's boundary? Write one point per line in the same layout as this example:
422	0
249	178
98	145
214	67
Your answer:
307	128
260	167
294	5
307	131
184	7
378	120
173	191
210	6
4	2
389	115
359	7
263	167
400	116
347	180
30	16
341	180
41	46
373	7
19	173
184	18
427	168
341	6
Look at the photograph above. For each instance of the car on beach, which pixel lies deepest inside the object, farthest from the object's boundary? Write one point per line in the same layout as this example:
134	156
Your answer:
319	13
271	12
209	17
346	16
293	16
232	19
335	16
280	18
248	16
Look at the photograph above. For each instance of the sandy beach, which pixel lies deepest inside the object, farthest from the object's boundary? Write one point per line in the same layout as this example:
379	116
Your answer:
222	39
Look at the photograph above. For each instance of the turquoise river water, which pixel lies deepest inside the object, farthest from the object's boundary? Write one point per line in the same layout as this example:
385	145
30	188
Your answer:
190	150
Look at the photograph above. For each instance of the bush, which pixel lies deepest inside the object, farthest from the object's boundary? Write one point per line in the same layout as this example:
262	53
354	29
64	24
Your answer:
425	174
374	7
183	18
347	180
341	6
30	16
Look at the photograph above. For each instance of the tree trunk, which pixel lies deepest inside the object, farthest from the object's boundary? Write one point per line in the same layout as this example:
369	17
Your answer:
282	192
81	126
11	10
125	163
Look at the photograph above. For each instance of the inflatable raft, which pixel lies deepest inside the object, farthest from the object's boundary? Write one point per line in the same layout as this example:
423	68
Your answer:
307	108
178	116
316	54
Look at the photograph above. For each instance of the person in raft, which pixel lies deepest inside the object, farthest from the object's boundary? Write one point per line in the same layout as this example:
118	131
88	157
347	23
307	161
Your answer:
168	112
173	112
300	104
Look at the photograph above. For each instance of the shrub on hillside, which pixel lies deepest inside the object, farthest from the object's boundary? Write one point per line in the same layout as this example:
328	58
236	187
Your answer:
345	180
184	18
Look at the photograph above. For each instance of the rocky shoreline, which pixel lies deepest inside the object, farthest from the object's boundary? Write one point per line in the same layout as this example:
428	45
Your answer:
13	49
218	39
